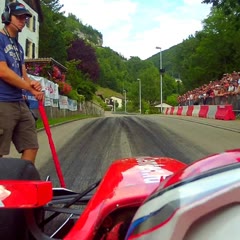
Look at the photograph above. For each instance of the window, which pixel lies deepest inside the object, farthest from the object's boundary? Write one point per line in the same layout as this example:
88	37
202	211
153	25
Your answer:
28	48
28	23
31	24
33	50
34	24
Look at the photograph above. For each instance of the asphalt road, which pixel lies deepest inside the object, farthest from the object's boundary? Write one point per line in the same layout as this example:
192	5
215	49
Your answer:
87	147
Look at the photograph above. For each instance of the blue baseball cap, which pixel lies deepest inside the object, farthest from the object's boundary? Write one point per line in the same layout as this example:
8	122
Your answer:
18	9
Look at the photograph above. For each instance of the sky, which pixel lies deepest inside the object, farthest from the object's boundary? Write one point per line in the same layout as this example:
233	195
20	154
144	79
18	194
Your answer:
134	28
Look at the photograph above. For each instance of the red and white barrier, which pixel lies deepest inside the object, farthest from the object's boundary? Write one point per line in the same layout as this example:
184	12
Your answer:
222	112
225	113
184	111
190	110
196	110
203	111
212	111
179	110
171	110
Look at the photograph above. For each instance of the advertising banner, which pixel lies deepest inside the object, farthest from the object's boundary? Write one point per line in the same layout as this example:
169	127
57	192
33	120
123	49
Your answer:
72	105
63	102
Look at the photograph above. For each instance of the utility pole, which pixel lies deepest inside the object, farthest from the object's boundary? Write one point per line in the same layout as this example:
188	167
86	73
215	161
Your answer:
140	96
161	72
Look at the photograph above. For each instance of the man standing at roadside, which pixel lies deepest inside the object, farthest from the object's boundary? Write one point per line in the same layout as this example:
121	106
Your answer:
16	121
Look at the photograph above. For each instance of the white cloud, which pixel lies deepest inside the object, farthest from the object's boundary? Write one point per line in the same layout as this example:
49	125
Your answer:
101	14
135	28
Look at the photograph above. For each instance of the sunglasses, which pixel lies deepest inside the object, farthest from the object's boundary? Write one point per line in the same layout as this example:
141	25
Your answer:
22	17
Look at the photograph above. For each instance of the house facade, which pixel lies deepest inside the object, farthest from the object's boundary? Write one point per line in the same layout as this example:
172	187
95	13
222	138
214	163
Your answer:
117	100
29	37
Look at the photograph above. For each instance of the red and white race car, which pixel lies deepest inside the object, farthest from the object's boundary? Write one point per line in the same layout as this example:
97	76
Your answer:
138	198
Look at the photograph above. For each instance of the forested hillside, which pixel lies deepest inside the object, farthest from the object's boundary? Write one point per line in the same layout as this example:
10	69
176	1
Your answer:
208	54
202	57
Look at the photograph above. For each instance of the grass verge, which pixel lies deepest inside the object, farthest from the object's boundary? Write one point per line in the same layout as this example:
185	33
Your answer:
55	121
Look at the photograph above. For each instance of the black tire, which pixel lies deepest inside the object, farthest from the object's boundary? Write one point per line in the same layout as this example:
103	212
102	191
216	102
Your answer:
12	221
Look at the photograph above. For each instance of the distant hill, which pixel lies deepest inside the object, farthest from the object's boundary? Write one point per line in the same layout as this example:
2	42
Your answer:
168	60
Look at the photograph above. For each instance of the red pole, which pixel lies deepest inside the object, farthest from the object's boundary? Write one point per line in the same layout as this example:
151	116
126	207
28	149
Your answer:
51	143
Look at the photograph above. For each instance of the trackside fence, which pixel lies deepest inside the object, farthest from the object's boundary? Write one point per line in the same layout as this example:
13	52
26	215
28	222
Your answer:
87	108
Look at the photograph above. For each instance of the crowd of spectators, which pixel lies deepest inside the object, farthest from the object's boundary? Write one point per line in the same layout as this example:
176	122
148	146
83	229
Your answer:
218	92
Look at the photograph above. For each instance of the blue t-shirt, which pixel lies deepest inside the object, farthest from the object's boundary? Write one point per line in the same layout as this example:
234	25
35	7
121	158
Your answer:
9	93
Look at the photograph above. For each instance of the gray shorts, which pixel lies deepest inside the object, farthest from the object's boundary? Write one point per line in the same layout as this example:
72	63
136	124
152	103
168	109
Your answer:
17	125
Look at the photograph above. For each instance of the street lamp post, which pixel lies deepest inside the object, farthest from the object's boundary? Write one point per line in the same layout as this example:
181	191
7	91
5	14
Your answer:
140	96
160	66
125	100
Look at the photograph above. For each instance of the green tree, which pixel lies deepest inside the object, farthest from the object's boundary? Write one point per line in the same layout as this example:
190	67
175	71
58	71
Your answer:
112	69
172	100
51	41
81	85
228	6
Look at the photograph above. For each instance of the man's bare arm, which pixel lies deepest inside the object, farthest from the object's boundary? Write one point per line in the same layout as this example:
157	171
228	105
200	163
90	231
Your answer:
12	78
26	83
